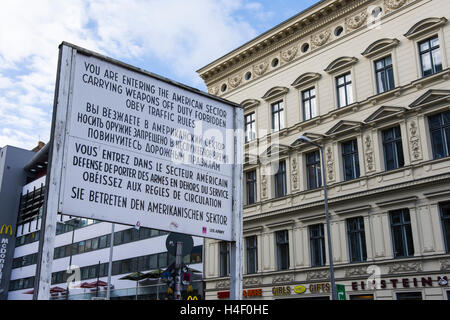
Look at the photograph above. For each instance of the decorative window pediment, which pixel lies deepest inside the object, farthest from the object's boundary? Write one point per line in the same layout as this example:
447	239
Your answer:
340	64
431	97
384	113
275	92
344	126
306	79
272	151
250	103
380	46
313	136
425	26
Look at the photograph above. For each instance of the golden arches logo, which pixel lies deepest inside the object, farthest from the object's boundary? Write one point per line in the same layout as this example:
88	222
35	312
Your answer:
5	228
192	298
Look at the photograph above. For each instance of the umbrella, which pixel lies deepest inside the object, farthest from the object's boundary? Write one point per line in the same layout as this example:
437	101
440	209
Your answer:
86	285
57	290
99	283
157	273
135	276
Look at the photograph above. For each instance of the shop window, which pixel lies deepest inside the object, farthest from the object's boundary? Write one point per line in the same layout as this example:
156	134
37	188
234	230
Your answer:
409	296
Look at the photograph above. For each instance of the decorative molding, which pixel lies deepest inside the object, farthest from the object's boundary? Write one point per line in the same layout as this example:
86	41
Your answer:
235	80
414	140
285	223
384	113
409	200
283	278
364	208
275	92
380	46
356	271
294	172
260	67
394	4
250	103
292	32
252	281
445	264
316	137
330	163
289	54
405	267
320	39
425	26
306	79
344	126
318	275
214	90
437	194
340	64
430	98
264	186
224	284
368	151
273	151
357	21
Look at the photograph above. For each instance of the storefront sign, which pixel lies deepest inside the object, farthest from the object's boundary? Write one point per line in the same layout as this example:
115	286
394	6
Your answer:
281	291
320	288
6	233
402	283
245	293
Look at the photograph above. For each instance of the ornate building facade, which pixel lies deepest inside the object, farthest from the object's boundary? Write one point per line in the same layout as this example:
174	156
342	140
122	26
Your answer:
369	81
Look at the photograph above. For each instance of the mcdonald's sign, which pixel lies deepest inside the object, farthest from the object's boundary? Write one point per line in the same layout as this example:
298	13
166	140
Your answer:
5	229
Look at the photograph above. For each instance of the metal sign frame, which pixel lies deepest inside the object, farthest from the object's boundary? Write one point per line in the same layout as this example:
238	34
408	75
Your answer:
59	148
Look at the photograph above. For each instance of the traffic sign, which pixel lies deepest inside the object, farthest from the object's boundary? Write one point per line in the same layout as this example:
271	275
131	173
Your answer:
173	238
340	289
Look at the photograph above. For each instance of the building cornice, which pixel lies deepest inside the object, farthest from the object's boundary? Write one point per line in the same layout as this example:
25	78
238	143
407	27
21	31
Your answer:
307	22
308	26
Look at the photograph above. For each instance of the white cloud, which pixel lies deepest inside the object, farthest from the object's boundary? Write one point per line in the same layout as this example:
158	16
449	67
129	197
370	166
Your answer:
184	35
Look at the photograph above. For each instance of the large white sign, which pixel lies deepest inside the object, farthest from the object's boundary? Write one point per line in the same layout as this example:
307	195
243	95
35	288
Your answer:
141	150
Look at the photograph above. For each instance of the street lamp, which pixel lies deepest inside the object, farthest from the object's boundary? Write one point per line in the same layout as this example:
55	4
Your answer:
324	183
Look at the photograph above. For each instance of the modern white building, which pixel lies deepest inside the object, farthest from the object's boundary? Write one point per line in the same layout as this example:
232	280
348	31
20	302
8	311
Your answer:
86	244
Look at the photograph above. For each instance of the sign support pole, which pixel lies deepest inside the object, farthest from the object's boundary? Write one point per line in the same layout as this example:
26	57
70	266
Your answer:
111	248
236	244
53	180
178	264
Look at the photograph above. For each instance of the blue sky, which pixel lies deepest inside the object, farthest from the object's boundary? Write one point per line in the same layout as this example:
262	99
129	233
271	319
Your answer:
173	38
